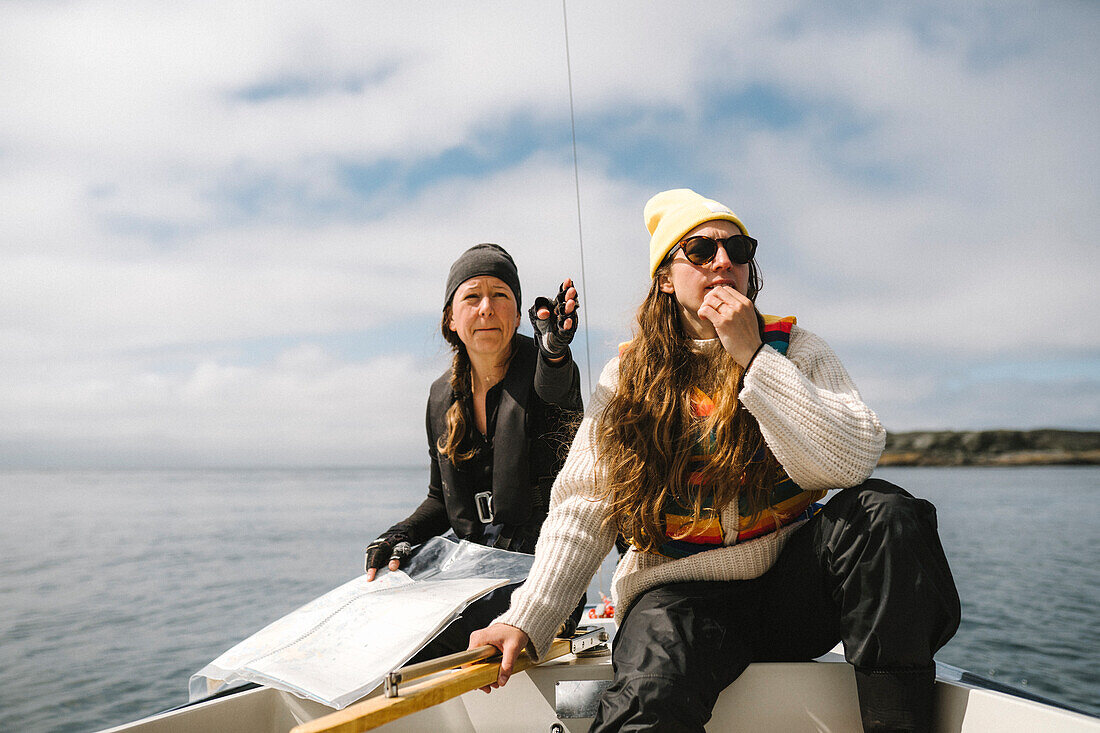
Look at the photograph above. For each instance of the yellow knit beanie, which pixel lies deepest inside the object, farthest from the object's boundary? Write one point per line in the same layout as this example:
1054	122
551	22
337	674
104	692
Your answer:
671	214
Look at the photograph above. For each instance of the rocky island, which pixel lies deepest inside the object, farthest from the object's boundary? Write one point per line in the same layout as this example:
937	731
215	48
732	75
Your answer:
992	448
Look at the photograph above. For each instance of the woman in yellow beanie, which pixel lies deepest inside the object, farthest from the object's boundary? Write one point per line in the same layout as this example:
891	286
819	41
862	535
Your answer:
708	444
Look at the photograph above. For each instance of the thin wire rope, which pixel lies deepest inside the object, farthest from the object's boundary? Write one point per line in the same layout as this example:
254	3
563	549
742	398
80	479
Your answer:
580	229
577	186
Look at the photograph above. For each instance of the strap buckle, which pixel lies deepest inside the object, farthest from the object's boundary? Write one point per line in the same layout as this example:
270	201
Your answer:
484	502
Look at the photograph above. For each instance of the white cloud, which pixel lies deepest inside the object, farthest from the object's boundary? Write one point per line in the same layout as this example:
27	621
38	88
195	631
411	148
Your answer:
923	402
304	408
176	179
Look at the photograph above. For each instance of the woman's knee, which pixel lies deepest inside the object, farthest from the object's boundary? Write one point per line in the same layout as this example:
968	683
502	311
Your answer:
884	509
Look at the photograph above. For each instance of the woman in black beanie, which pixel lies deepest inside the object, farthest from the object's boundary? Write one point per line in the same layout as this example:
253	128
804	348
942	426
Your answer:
499	423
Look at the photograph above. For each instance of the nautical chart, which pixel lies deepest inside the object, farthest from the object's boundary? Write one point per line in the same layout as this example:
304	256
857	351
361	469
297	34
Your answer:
337	648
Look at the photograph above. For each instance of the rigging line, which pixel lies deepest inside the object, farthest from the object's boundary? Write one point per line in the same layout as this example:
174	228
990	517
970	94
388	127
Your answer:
577	186
580	230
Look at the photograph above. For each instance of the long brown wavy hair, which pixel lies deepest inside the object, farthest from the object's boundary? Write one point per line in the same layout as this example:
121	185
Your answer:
457	417
647	434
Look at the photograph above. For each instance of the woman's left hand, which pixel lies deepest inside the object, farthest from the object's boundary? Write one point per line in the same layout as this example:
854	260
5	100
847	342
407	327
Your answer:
555	321
734	318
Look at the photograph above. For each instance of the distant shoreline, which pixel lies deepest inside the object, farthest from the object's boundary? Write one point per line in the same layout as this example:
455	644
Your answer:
992	448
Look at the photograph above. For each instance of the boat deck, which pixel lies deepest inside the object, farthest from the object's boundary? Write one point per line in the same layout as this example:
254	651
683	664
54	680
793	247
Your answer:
560	696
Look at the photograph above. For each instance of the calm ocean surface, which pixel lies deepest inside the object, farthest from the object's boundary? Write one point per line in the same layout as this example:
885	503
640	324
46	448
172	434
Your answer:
116	586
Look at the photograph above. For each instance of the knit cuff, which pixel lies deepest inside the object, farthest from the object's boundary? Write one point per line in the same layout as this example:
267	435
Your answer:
539	634
741	381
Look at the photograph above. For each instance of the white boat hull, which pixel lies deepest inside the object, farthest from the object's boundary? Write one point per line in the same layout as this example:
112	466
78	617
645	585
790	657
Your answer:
790	697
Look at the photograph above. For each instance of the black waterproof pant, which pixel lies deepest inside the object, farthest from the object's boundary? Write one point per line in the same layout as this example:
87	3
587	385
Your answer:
478	615
868	569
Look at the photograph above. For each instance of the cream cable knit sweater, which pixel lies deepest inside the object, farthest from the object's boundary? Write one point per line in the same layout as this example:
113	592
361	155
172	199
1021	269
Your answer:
812	418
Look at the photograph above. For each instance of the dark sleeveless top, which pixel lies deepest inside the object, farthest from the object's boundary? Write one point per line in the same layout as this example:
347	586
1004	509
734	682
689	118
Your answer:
532	415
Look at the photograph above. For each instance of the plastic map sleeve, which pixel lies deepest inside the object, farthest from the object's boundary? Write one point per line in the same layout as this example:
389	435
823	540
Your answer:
338	647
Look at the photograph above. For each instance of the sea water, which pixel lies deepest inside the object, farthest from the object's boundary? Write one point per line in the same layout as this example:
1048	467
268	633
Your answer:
115	586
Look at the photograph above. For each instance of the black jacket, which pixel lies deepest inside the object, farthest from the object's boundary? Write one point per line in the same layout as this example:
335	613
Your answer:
538	413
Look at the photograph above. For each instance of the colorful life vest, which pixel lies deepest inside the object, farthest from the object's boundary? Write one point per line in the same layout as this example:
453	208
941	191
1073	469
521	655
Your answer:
688	534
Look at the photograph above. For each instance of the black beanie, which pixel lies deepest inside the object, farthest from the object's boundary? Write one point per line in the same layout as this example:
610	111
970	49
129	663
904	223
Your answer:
483	259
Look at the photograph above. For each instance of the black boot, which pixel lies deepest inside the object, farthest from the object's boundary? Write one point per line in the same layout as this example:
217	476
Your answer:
892	701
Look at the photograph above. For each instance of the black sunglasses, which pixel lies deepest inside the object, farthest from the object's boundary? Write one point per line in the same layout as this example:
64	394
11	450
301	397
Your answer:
740	248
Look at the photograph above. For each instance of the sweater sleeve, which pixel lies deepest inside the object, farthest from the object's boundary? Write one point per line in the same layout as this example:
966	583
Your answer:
573	541
811	414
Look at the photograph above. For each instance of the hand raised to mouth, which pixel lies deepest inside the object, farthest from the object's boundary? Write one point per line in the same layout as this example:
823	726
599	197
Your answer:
734	319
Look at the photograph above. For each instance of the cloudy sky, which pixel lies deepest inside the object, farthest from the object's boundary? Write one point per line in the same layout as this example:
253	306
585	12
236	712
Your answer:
227	224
